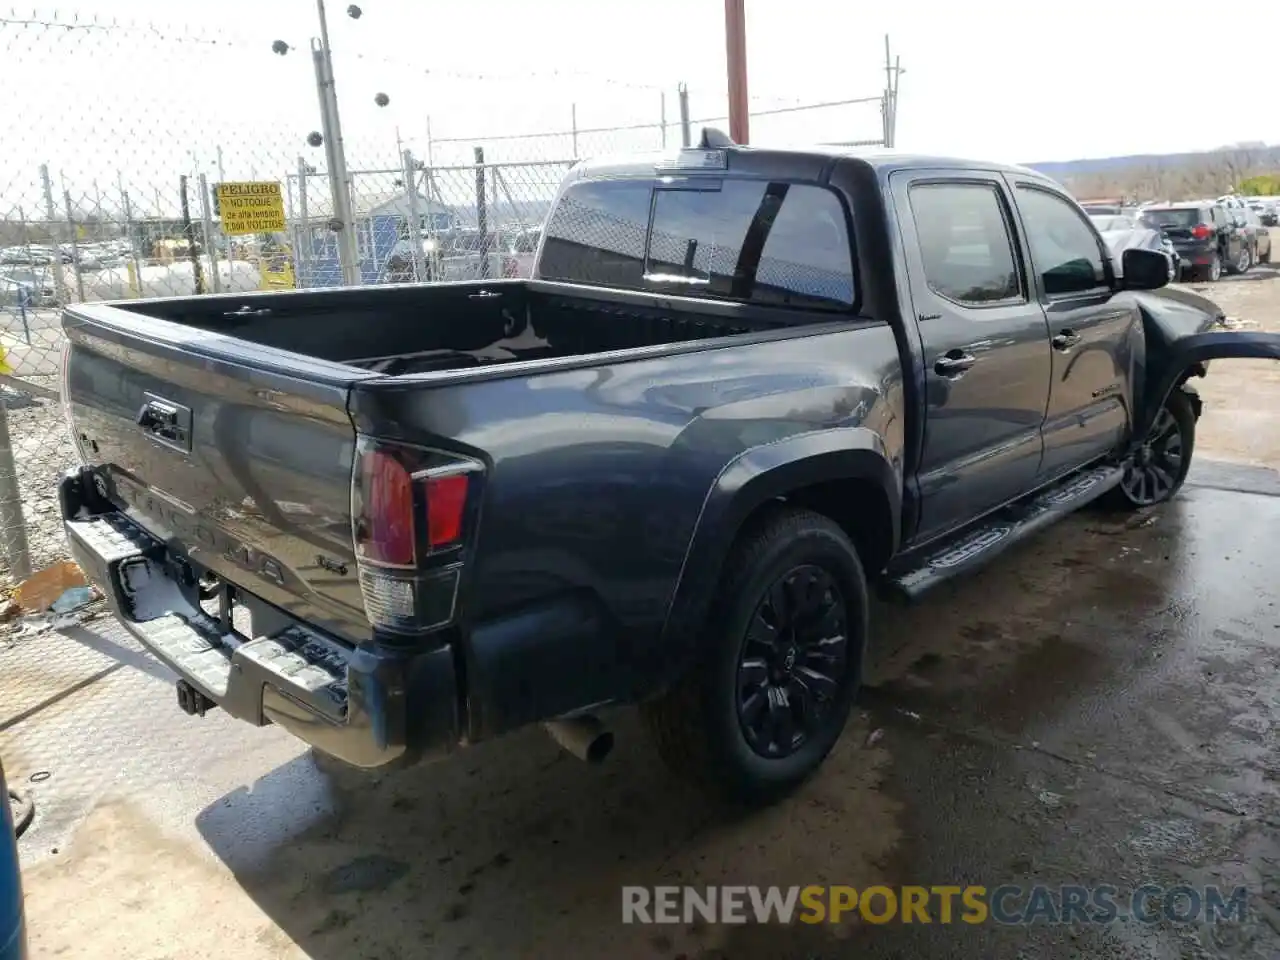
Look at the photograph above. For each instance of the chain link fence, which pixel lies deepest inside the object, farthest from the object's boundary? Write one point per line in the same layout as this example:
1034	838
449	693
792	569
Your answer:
128	141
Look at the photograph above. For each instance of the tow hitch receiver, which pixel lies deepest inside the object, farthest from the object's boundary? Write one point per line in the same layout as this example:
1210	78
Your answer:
192	701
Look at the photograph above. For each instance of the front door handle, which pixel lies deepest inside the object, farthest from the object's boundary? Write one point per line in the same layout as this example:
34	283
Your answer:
953	363
1065	340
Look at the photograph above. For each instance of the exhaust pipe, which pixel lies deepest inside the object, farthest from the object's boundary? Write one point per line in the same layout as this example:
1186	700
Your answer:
584	737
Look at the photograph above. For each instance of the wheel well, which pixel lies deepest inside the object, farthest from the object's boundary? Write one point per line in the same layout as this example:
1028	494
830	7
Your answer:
862	510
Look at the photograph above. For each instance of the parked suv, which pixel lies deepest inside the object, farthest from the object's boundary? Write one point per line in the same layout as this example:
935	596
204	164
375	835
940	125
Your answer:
1205	235
1258	235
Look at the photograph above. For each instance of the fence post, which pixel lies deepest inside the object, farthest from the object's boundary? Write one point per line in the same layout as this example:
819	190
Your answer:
75	246
22	303
135	268
683	91
482	214
573	119
662	112
59	282
206	216
13	525
302	242
415	218
189	231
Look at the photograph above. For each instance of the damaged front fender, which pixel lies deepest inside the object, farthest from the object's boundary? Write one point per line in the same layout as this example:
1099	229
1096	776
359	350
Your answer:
1188	353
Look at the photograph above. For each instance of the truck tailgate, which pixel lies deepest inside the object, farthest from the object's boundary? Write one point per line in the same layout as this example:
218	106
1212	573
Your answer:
237	456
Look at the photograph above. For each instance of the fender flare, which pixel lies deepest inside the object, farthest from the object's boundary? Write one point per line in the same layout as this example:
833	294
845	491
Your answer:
1188	352
752	479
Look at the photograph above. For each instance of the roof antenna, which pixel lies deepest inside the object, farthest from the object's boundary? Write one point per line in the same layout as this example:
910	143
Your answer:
714	139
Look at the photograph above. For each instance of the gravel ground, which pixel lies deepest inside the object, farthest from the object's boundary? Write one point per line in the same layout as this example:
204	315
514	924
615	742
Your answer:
43	451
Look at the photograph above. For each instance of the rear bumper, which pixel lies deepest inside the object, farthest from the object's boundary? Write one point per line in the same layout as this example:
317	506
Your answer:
1196	254
369	706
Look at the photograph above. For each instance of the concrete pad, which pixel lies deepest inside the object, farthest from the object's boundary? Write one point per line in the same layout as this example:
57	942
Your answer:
1100	706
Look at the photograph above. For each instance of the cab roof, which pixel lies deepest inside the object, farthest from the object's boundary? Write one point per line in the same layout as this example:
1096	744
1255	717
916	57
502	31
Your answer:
804	162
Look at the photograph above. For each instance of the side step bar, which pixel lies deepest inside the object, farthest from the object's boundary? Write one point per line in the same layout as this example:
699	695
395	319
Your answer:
977	546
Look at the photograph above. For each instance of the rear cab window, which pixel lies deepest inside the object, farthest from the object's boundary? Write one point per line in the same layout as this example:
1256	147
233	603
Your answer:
753	241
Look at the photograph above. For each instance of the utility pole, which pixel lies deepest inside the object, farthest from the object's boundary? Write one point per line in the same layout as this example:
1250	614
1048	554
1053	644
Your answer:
683	92
735	31
335	156
892	71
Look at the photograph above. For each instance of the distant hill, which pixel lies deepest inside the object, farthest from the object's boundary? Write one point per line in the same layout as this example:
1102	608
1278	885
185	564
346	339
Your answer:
1171	176
1070	168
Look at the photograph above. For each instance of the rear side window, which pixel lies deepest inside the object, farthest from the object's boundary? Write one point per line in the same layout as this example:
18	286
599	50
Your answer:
749	240
964	242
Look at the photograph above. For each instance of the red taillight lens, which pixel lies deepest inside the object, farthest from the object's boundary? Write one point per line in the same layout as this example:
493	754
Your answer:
410	524
1202	231
385	531
446	501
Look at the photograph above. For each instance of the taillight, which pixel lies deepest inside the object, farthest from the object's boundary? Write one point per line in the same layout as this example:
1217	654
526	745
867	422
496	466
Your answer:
411	512
388	516
1202	231
446	503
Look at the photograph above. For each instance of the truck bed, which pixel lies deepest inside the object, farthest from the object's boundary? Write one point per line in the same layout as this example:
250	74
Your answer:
429	328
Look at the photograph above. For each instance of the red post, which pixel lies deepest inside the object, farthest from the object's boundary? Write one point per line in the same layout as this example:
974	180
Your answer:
735	32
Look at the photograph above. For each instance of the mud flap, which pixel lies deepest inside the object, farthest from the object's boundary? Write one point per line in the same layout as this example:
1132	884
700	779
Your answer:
1185	353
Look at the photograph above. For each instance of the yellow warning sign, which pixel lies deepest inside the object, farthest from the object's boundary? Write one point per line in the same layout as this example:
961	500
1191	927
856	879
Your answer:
276	272
253	207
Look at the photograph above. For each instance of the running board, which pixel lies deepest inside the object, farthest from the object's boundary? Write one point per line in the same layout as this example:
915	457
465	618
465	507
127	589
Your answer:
977	546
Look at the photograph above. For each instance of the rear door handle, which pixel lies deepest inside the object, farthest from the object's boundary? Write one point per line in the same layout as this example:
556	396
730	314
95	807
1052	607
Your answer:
1065	340
953	363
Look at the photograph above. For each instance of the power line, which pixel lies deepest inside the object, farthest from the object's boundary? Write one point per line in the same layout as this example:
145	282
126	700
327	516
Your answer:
648	126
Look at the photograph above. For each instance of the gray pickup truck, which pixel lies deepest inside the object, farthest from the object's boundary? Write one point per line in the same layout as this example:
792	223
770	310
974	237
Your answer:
743	387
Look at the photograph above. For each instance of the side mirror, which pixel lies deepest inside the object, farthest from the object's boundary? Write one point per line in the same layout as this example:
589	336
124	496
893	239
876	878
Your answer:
1143	270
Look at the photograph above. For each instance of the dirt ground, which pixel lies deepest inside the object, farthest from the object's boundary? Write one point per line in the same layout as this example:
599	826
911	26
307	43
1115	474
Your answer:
1100	706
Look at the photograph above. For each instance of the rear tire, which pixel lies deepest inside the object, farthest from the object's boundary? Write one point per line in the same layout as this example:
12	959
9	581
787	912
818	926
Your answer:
1156	472
781	660
1213	272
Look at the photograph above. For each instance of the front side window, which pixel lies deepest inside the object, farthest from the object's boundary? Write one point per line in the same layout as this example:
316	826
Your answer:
1063	246
964	242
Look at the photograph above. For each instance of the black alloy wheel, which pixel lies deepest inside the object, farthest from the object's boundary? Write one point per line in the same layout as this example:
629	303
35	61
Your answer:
793	661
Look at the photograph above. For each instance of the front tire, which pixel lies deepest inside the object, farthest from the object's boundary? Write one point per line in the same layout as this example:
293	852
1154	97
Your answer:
769	693
1156	471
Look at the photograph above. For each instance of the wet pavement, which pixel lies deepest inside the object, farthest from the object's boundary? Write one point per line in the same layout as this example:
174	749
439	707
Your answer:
1101	706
